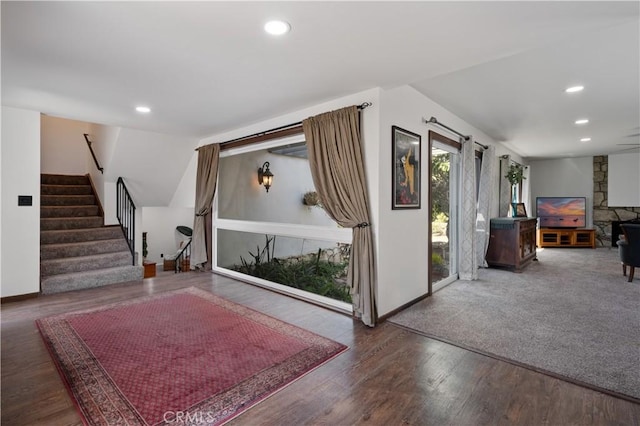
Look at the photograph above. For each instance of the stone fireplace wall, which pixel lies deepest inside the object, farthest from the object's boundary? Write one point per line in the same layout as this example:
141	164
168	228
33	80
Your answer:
603	215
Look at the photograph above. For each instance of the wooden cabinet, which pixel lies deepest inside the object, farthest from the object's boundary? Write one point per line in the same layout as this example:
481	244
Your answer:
549	237
512	242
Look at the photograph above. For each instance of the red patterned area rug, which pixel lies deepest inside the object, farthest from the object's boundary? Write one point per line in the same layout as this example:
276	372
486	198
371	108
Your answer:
183	357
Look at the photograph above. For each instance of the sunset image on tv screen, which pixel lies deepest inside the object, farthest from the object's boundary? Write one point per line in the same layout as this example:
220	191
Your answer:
561	212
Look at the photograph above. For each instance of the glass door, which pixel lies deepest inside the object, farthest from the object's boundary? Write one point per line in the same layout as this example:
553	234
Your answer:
444	207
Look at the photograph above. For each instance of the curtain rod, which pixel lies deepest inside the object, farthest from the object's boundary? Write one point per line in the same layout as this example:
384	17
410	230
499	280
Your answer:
506	156
275	129
434	120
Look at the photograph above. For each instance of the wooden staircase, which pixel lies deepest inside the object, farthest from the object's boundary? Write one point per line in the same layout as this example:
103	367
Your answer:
76	250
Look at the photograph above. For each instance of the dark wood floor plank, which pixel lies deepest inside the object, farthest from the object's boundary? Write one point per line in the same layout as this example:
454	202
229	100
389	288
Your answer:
389	375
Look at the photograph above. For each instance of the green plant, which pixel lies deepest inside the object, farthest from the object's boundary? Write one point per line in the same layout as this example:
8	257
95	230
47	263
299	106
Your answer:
308	273
441	217
440	167
145	252
515	174
311	199
436	259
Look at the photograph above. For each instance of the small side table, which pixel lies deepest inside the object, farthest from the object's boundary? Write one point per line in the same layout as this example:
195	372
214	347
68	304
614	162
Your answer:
149	269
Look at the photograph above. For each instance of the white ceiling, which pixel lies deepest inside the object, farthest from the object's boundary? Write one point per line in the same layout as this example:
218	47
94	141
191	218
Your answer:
208	67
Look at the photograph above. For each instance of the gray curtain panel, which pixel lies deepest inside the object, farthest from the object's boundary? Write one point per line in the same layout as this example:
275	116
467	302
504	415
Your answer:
468	265
207	176
485	201
526	192
337	167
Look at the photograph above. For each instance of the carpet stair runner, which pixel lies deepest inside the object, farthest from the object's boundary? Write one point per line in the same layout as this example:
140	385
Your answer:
76	250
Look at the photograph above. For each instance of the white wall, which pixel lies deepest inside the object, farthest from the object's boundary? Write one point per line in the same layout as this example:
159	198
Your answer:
403	235
240	197
566	177
20	225
152	164
185	195
104	139
63	149
109	205
160	225
624	180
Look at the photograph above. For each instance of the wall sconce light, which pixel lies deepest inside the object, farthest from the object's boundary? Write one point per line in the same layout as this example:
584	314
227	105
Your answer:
265	177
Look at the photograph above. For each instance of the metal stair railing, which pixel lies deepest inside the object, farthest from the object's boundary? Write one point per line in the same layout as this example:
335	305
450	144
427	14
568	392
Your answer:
183	258
126	213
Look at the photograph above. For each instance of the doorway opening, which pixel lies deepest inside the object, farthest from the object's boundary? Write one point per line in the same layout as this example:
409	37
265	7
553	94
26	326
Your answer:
444	205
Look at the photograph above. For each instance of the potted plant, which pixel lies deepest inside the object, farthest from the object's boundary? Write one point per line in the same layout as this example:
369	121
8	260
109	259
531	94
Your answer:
515	176
311	199
145	252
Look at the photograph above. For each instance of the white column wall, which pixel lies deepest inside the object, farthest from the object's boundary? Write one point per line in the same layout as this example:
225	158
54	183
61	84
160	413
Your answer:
20	253
624	180
403	235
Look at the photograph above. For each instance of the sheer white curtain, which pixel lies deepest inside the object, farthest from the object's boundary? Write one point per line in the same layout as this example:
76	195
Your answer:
468	265
485	201
526	192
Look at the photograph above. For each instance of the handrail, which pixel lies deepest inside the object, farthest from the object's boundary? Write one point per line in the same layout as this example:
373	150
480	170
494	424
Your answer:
126	213
183	258
93	154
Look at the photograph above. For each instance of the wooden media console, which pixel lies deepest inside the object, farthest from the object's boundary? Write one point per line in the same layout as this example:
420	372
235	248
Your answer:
551	237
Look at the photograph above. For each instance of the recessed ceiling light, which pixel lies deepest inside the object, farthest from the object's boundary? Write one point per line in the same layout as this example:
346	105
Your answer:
574	89
277	27
582	121
143	109
585	139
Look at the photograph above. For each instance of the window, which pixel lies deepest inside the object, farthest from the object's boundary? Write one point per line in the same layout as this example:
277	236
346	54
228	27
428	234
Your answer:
272	238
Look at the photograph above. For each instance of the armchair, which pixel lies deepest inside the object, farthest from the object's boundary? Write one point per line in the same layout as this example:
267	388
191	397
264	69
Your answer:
629	248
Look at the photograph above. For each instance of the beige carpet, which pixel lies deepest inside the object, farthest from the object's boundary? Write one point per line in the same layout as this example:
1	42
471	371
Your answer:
571	314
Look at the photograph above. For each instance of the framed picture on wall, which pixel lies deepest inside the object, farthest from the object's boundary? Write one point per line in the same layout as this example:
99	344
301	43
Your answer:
405	184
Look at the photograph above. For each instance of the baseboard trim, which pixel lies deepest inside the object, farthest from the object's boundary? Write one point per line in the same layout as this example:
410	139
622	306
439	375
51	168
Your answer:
18	298
386	316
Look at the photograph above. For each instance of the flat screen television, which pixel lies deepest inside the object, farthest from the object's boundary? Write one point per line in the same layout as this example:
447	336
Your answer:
561	212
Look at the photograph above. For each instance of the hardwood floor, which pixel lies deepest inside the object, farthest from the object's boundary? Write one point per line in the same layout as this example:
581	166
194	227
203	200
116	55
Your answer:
389	376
